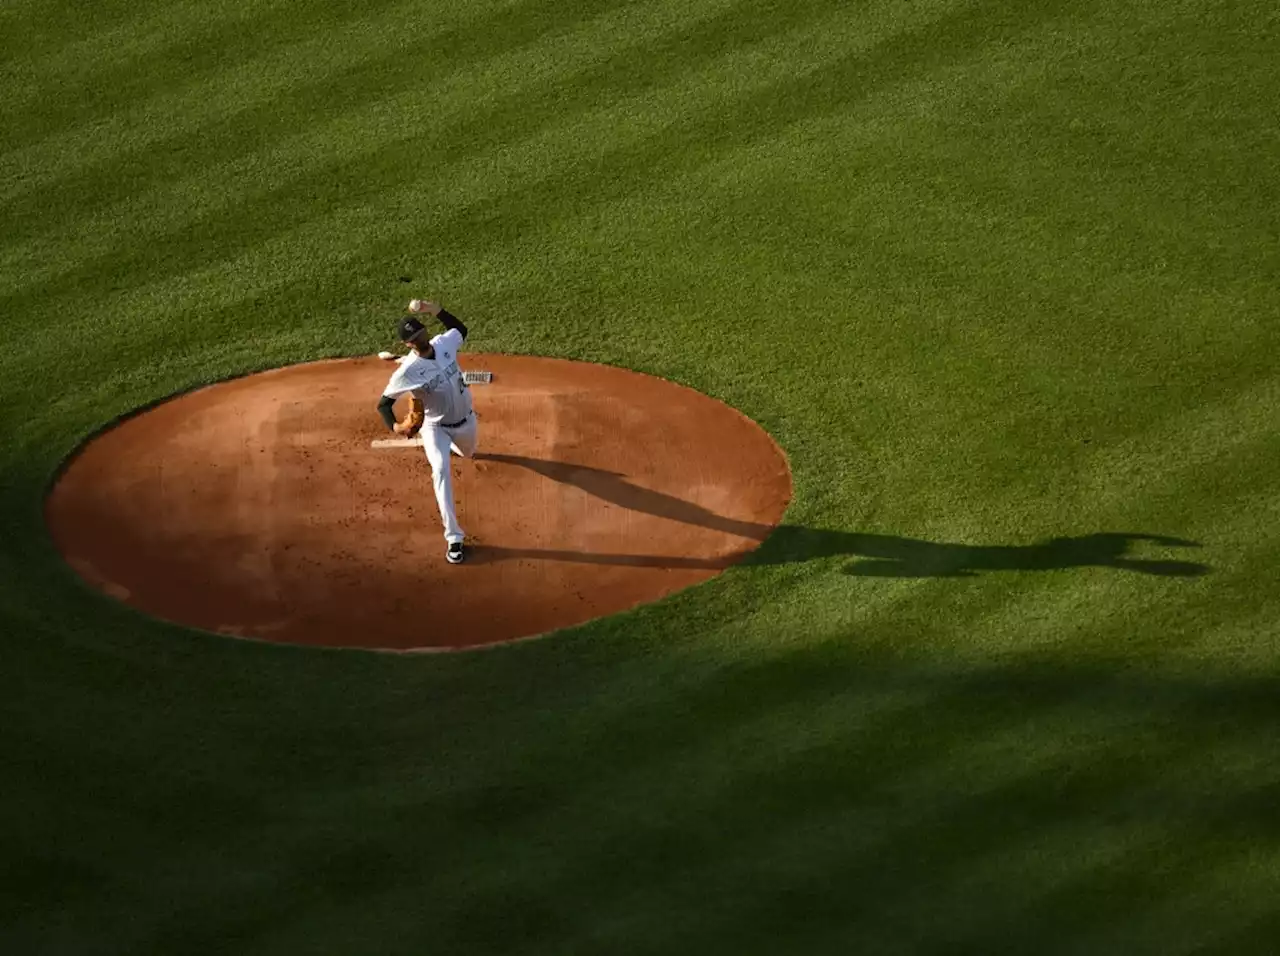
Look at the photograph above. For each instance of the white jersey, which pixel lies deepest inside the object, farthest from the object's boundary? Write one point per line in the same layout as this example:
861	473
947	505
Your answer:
437	382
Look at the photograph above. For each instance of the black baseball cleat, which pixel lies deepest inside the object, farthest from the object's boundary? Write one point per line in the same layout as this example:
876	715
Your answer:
455	554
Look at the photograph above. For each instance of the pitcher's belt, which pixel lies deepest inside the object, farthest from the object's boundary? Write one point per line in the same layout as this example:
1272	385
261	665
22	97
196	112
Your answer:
458	424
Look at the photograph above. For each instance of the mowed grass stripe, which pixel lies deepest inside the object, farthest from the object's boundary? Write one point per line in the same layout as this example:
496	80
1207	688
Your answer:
180	48
397	60
337	175
36	29
282	36
435	114
1198	441
415	143
403	133
249	224
206	110
152	32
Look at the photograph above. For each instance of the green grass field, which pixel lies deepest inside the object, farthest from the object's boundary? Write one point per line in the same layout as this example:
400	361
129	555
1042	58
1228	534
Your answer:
1003	278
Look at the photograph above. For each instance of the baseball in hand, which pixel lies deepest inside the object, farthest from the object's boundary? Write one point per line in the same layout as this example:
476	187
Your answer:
416	305
387	356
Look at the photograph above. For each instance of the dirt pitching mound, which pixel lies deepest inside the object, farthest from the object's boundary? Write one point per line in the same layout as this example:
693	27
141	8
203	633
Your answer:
259	508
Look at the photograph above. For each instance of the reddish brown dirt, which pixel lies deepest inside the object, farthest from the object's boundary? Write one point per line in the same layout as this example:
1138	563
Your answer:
257	507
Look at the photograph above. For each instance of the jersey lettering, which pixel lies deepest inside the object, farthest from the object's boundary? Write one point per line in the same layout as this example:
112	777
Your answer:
431	380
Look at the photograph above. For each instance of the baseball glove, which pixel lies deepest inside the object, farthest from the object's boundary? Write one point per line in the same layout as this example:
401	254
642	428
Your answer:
411	424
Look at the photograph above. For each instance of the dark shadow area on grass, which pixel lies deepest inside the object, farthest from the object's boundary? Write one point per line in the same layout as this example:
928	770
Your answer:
1039	799
884	556
1064	796
888	556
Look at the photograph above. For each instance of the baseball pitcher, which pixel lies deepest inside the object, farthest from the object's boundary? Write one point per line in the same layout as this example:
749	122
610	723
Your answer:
439	407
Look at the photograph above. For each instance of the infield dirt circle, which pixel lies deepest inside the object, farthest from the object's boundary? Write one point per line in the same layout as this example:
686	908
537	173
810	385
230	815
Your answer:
259	508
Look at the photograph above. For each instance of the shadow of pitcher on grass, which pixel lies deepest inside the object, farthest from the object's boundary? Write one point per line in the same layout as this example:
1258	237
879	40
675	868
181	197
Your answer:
888	556
876	555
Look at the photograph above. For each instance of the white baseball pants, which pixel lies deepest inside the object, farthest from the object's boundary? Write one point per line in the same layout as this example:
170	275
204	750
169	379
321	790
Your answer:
438	442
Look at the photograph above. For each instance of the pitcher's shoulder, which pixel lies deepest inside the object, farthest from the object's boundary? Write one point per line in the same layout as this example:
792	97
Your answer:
409	371
449	340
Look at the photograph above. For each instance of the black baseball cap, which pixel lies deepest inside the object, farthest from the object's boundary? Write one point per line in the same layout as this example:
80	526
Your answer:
410	329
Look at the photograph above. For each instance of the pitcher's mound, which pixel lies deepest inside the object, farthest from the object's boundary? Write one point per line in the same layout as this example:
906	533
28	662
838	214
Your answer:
260	508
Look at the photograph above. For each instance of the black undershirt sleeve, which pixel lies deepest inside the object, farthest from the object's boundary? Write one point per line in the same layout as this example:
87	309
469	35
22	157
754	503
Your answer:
387	409
451	321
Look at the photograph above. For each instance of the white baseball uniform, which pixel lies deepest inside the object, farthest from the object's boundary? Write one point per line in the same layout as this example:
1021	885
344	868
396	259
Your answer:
450	421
